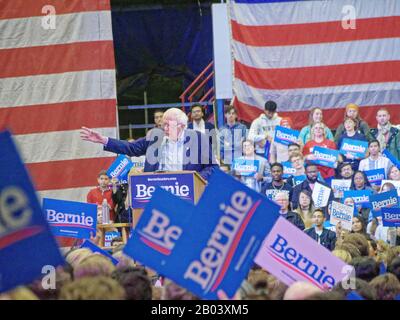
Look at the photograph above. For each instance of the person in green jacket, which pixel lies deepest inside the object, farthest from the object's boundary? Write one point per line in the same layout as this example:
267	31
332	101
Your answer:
387	135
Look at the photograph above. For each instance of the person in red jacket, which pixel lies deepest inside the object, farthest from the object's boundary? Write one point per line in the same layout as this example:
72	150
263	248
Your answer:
318	139
101	192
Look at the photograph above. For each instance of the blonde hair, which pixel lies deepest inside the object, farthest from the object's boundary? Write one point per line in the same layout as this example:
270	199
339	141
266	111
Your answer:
20	293
123	260
94	265
312	129
93	288
342	254
75	256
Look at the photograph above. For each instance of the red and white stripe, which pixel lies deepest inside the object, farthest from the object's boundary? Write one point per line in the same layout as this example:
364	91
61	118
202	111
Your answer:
52	83
299	55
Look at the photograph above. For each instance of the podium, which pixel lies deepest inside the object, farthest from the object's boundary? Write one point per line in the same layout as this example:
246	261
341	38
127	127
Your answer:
188	185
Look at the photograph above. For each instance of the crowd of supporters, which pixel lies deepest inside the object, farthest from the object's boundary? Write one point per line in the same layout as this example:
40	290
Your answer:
373	249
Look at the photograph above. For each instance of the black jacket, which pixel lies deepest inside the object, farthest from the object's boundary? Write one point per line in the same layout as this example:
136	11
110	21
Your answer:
295	219
327	238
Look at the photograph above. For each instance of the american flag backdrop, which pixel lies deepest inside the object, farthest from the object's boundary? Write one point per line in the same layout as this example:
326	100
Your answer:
298	54
52	82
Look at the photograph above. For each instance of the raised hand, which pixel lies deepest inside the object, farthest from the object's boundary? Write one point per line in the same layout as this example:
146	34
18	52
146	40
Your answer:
92	136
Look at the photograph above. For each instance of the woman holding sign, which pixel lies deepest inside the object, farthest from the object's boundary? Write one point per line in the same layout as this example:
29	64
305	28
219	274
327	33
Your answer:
318	139
315	116
251	169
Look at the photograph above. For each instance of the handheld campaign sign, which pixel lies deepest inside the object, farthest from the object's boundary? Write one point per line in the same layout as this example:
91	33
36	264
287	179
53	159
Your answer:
288	170
70	218
291	255
120	168
95	249
206	247
390	217
375	177
360	197
299	179
343	214
395	183
143	186
245	167
320	195
325	157
339	186
109	236
26	242
391	157
356	148
383	200
286	136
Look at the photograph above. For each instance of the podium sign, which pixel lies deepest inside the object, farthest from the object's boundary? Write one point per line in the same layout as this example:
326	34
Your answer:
143	186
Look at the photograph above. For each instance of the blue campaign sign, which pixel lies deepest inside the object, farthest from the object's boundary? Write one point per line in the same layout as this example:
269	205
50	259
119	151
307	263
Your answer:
390	217
299	179
26	242
95	249
360	197
391	157
383	200
357	148
286	136
120	168
207	247
109	236
288	169
325	157
245	167
376	176
143	186
71	219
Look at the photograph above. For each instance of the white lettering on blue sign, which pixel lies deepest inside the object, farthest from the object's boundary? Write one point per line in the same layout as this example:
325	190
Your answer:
54	217
376	177
324	156
206	270
15	212
285	136
159	234
361	199
301	263
392	216
119	168
145	192
376	205
353	148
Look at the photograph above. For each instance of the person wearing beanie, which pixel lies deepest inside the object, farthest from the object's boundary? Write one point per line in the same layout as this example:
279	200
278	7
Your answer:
352	111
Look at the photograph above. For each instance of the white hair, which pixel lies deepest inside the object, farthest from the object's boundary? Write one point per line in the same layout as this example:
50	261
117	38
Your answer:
176	114
282	194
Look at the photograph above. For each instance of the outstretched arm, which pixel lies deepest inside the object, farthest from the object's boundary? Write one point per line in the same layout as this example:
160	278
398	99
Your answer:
93	136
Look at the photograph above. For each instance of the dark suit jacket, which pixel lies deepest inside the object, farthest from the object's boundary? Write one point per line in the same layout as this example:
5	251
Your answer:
207	125
327	238
203	158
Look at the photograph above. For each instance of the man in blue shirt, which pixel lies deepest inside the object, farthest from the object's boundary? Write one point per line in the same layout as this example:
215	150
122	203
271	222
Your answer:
231	137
